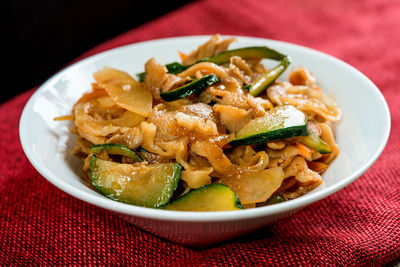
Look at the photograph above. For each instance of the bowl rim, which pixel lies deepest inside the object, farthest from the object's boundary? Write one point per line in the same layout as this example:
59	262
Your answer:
168	215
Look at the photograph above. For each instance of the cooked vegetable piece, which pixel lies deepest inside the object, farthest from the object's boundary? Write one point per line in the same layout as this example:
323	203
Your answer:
256	187
304	151
215	197
275	199
142	185
194	87
264	81
115	149
279	123
141	149
125	91
318	167
316	143
92	95
128	119
173	68
141	76
253	52
259	85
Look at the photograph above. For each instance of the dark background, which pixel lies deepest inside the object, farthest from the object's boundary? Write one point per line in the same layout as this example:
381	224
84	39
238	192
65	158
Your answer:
41	36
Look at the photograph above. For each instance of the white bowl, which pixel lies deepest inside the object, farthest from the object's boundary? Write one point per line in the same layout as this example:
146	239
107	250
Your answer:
361	134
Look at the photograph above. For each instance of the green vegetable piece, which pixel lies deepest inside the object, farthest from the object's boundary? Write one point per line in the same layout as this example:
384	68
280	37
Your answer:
275	199
141	76
279	123
141	149
145	185
115	149
194	87
252	52
264	81
214	197
316	143
173	68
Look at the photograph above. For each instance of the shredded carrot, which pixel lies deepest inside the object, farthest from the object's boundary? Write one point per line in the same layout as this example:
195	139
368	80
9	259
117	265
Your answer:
303	150
317	166
183	56
92	95
64	118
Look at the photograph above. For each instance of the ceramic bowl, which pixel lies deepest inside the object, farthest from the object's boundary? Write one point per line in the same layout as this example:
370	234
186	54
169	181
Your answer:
361	134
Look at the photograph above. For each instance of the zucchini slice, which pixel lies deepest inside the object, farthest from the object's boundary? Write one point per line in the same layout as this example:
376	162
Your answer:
252	52
194	87
173	68
274	199
316	143
264	81
214	197
279	123
145	185
115	149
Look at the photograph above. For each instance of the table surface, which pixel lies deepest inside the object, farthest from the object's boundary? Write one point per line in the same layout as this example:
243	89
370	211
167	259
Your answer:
360	225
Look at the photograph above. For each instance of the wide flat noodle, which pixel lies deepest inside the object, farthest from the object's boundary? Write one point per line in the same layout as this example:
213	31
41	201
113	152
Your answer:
207	68
158	79
95	127
329	138
212	47
308	99
197	178
233	118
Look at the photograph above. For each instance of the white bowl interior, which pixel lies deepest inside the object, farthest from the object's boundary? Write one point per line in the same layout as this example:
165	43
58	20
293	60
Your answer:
361	134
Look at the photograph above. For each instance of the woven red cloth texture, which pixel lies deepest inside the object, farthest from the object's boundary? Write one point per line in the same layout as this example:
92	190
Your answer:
359	225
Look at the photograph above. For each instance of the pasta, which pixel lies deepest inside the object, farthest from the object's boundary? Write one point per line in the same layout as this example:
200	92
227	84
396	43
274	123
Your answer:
201	131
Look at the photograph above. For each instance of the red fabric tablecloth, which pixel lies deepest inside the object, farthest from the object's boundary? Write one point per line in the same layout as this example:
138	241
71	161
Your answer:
359	225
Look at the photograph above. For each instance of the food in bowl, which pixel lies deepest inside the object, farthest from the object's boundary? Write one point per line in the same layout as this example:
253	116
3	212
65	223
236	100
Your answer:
217	131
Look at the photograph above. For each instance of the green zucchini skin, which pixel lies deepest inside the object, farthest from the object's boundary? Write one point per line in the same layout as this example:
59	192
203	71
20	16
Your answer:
280	134
141	149
252	52
176	67
275	199
124	183
116	149
214	197
280	122
173	68
316	143
194	87
141	76
264	81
